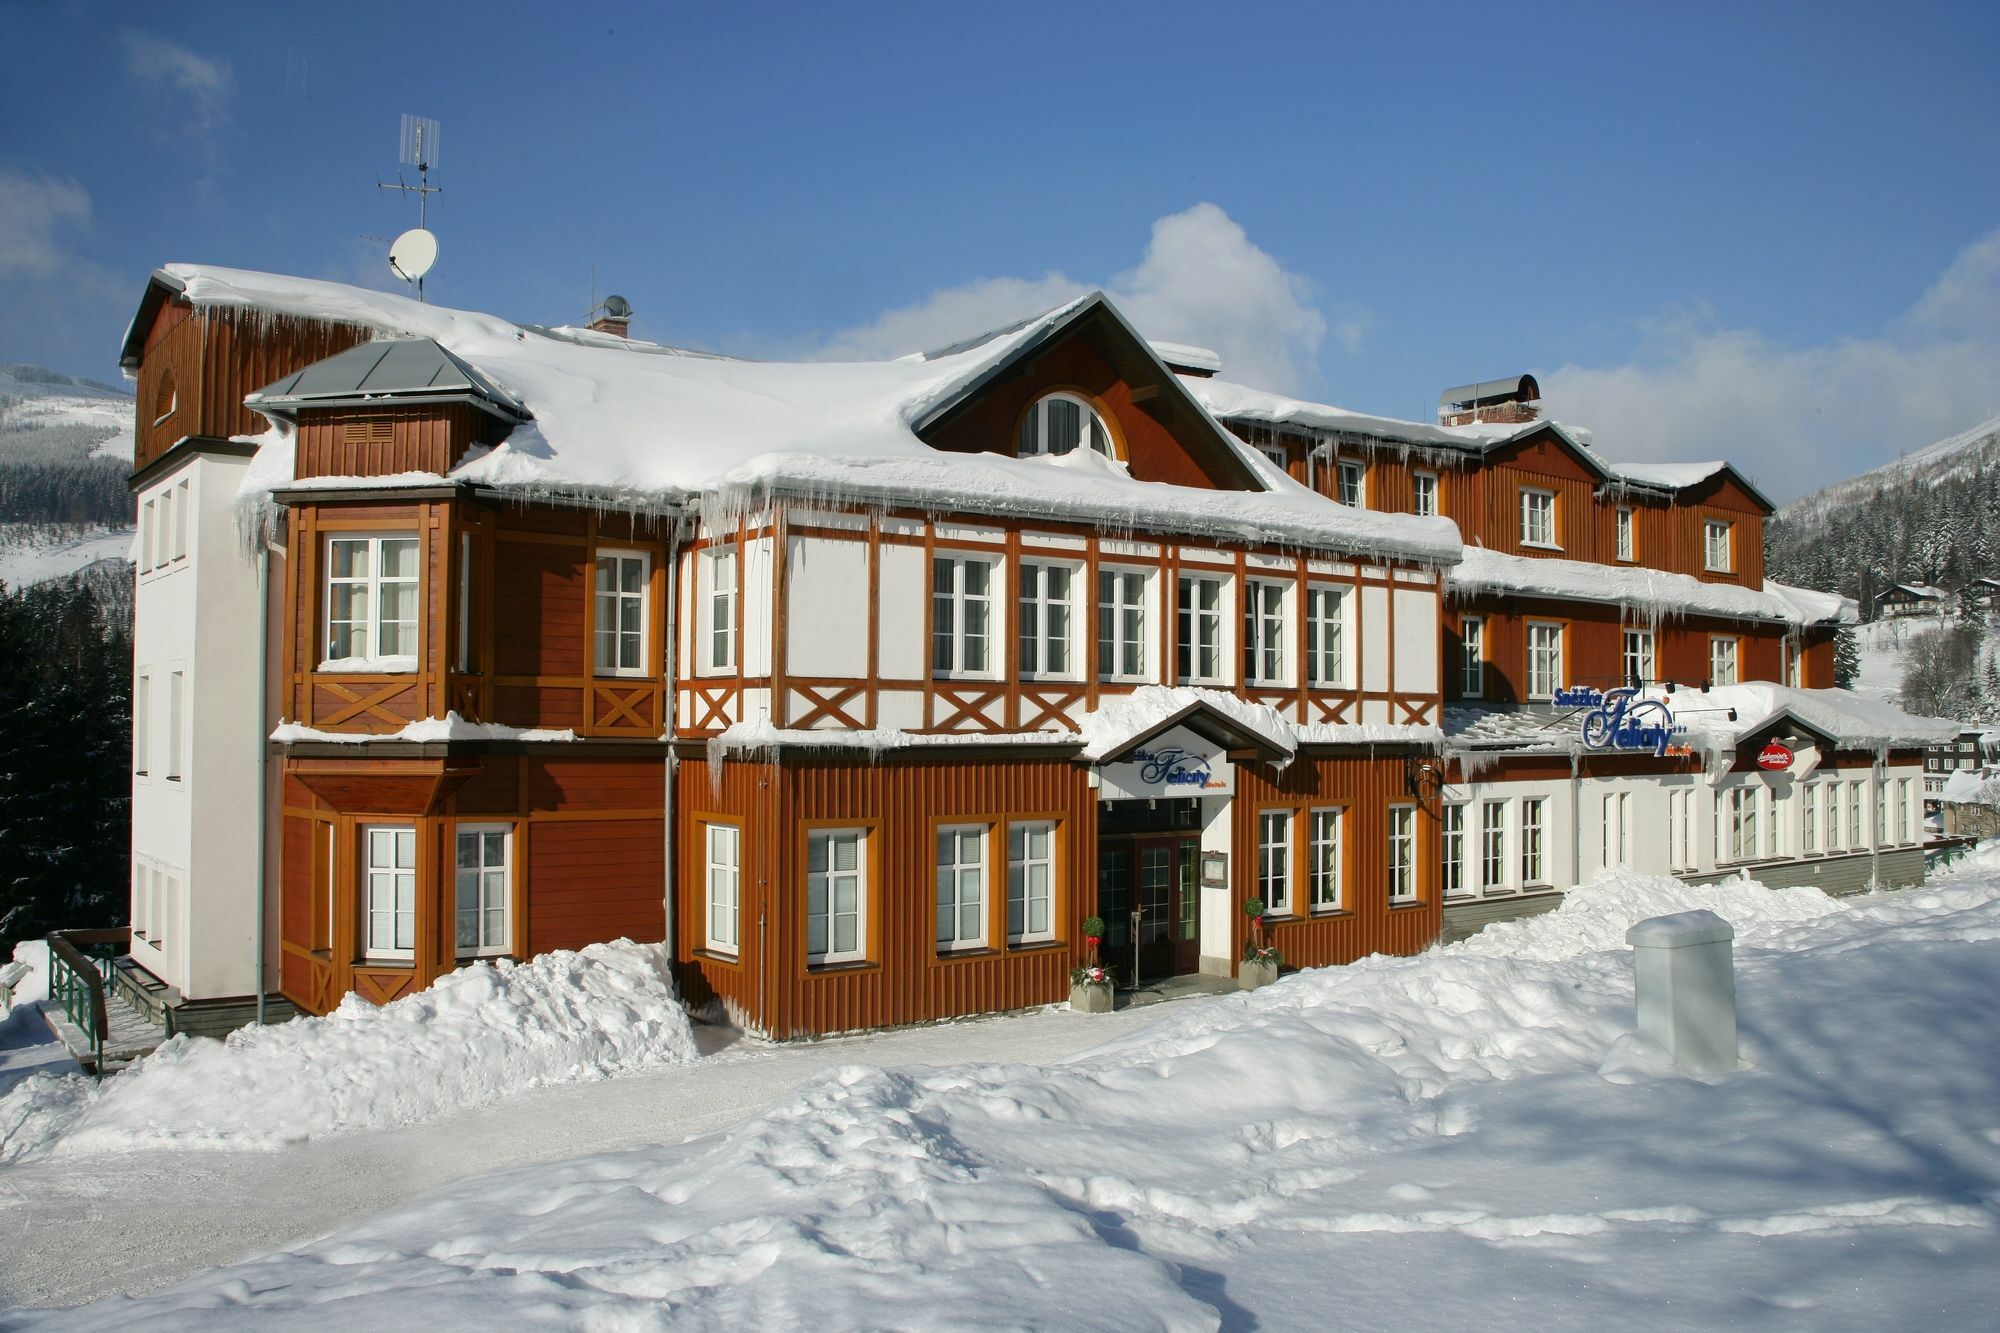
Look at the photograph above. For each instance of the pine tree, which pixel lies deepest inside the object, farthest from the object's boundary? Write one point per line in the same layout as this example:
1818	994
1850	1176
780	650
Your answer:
1846	659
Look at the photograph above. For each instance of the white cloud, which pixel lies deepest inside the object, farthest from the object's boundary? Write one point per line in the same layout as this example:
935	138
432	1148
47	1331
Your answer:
200	84
1796	418
32	210
1202	280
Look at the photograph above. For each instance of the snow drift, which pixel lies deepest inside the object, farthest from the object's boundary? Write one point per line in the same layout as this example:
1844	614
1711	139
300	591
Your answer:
480	1033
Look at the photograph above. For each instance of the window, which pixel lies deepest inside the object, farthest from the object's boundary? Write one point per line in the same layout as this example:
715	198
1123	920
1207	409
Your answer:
1063	423
391	892
1472	656
1424	494
1402	853
1045	620
149	535
465	601
1906	811
1881	812
835	904
1829	795
1121	624
142	724
961	888
1722	660
141	900
1625	535
1264	631
163	533
719	564
1453	822
1857	833
176	722
1737	821
180	494
1323	859
1326	637
961	616
1716	545
1789	661
165	399
168	915
1809	821
1030	882
484	889
1274	861
1352	481
1534	864
1545	659
1538	518
621	612
724	847
1276	453
1680	830
1493	846
1617	831
1638	656
1199	649
371	604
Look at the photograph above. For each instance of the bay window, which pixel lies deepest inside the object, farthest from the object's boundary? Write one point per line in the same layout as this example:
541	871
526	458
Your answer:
372	595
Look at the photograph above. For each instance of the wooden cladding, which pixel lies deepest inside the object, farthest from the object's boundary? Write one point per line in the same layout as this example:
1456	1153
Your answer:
345	442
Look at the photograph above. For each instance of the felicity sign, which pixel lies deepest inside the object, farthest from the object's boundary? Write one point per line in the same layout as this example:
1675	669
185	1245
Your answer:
1620	720
1175	763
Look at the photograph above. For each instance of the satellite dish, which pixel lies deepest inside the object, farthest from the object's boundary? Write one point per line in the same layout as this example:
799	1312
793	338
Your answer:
617	307
413	254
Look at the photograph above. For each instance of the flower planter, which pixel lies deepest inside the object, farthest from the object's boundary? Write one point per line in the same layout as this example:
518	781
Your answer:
1249	976
1090	999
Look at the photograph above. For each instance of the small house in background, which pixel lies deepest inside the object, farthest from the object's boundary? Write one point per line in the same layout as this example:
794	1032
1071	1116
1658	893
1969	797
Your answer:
1910	599
1982	593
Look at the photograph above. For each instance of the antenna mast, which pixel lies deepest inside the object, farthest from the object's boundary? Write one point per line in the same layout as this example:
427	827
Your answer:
419	147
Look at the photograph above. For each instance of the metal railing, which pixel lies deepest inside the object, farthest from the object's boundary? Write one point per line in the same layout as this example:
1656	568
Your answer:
80	965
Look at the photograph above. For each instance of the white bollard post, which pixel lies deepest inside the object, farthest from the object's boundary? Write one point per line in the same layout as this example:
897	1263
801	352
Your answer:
1684	971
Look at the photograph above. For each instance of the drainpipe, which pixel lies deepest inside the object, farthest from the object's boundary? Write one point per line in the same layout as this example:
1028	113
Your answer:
672	763
263	754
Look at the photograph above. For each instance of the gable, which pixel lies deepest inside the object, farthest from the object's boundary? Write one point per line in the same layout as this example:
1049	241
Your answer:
1546	454
1159	431
1726	490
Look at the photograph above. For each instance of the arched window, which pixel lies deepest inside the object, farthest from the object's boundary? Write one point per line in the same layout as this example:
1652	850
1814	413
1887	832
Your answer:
163	397
1062	423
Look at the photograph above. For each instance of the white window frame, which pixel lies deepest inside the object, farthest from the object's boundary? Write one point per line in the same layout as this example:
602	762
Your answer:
830	877
1325	873
1723	656
1493	862
1350	480
1451	849
142	724
180	535
1857	832
1738	823
1641	666
1829	798
1402	854
1201	636
1130	592
1538	518
1039	613
1274	860
1809	820
617	598
1424	494
719	577
959	651
722	861
374	583
1882	812
1276	455
1267	623
1718	556
1534	842
1472	657
1627	538
1034	439
1616	829
961	878
1021	894
1327	637
482	872
395	877
177	702
1545	662
1680	830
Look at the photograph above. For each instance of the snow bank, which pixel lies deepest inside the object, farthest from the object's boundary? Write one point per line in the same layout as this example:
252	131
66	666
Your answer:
478	1034
32	985
1645	592
450	727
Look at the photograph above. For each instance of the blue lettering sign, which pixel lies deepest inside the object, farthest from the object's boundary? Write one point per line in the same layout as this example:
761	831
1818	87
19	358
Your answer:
1579	696
1174	768
1622	721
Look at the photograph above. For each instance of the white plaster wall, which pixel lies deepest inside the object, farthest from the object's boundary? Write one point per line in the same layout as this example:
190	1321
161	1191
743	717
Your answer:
1215	903
900	597
1416	656
758	573
826	611
1374	638
1558	827
900	709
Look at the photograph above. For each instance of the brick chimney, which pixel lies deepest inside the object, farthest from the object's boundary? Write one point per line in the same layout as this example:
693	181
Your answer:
1510	401
613	317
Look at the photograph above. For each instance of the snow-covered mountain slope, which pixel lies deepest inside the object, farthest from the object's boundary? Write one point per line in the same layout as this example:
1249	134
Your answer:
65	449
1932	465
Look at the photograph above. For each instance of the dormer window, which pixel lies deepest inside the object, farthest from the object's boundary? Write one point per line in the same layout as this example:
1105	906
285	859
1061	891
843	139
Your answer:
1063	423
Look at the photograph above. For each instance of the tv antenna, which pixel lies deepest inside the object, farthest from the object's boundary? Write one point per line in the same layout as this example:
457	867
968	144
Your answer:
416	250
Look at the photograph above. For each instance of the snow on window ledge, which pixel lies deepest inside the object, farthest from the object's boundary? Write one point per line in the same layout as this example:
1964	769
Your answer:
400	664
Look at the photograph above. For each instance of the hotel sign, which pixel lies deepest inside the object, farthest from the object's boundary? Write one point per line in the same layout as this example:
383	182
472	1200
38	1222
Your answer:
1175	764
1620	720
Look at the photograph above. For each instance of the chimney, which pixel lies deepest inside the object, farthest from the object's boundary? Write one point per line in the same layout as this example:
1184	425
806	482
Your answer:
613	317
1510	401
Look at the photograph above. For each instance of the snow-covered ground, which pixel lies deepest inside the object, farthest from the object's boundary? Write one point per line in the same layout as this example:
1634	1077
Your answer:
1467	1137
26	562
1882	644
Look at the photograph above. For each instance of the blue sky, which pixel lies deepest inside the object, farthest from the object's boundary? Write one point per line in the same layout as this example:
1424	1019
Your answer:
1771	235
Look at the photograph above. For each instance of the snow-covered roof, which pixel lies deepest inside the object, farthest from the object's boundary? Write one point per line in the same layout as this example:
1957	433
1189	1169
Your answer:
1239	402
634	423
1921	591
1181	356
1640	590
1668	476
1968	786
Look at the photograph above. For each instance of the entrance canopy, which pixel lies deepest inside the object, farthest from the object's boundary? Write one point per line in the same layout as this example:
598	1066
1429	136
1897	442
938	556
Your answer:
1188	750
